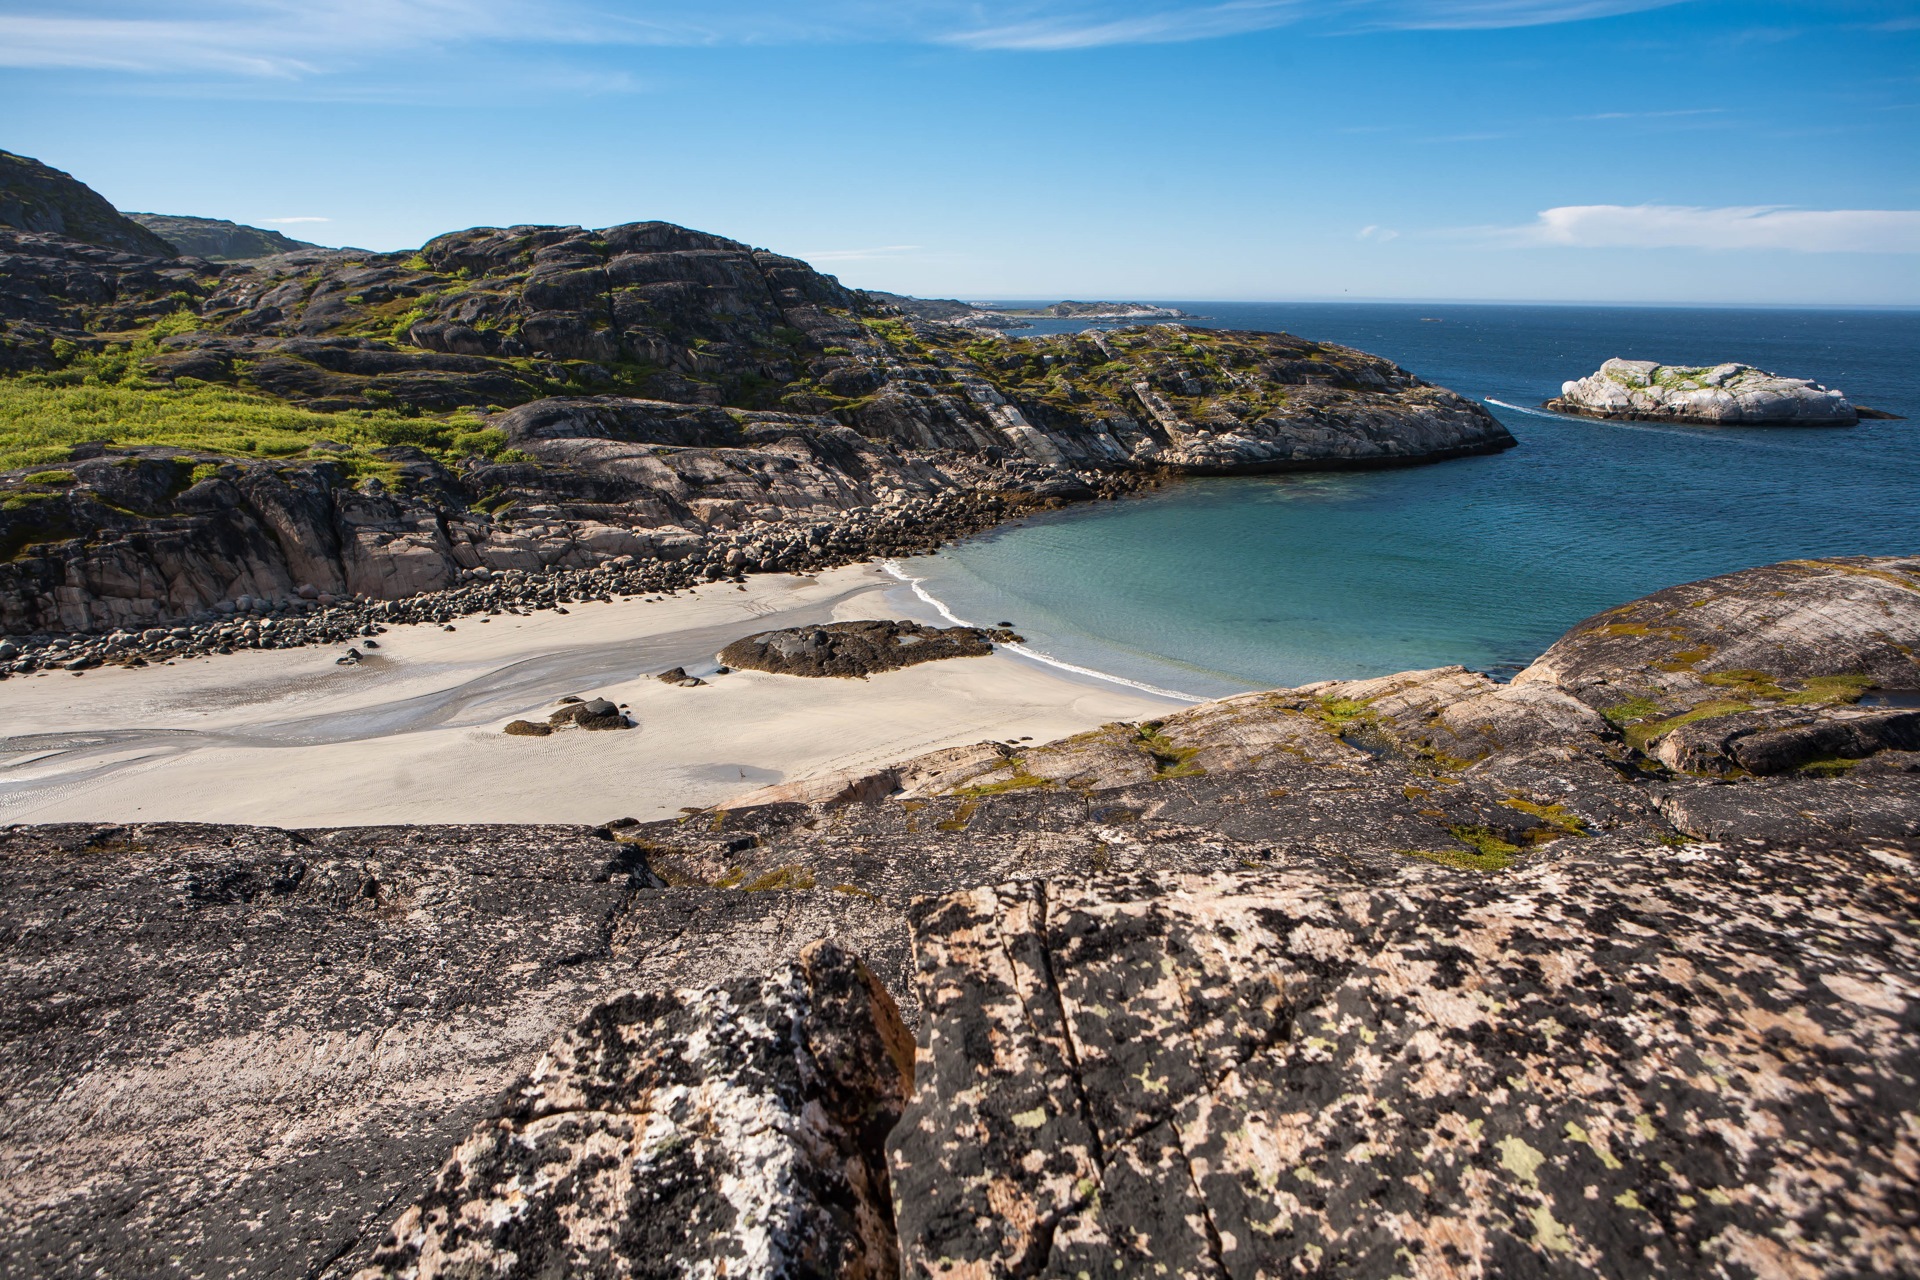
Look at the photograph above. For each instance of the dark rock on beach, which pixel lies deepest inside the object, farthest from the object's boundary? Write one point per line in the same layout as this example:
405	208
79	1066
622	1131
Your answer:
859	648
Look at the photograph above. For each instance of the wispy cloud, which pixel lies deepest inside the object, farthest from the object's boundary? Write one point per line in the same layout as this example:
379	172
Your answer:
860	255
1654	115
1378	233
1665	226
303	38
282	222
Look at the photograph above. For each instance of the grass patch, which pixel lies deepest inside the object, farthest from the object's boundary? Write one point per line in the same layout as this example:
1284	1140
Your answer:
1169	761
1827	766
1338	713
40	422
961	816
1641	734
786	877
1020	780
1631	710
1489	853
1827	690
1557	819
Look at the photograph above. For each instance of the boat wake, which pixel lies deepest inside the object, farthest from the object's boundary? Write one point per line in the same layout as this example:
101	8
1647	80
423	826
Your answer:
940	606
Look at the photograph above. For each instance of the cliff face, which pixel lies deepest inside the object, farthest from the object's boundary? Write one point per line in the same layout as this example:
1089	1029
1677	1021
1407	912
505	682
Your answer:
599	394
1420	976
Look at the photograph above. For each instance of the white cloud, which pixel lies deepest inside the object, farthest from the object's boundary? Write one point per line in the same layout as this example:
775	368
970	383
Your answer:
301	38
305	218
859	255
1666	226
1378	233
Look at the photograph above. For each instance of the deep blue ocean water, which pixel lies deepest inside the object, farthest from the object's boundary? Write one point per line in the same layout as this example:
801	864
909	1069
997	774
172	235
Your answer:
1211	586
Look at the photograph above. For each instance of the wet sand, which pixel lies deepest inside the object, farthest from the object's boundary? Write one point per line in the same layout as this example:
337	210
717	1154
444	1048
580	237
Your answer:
288	738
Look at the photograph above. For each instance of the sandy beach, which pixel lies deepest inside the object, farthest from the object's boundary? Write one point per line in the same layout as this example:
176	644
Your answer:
414	734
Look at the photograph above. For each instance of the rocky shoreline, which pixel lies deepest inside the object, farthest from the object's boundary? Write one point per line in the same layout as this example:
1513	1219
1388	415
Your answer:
309	617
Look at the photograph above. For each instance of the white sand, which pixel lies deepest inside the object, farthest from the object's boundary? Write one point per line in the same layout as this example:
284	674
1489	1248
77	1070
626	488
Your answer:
288	738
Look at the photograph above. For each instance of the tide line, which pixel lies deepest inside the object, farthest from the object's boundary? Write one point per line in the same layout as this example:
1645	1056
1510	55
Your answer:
940	606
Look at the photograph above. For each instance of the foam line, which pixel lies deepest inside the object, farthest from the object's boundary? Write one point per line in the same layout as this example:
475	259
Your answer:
1520	408
940	606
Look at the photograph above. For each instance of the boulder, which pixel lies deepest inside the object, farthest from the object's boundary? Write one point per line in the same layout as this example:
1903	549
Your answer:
528	729
733	1131
859	648
1723	395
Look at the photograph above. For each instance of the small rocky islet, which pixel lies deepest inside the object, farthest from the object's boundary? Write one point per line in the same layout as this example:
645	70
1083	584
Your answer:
1720	395
1612	969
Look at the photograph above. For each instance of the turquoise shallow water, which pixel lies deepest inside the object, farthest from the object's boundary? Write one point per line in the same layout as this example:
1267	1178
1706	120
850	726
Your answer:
1211	586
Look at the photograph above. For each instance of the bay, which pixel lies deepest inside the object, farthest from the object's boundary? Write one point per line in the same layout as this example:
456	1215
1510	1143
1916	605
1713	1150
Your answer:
1210	586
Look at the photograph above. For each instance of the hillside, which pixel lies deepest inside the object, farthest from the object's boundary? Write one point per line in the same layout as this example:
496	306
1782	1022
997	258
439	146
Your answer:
37	197
542	397
216	239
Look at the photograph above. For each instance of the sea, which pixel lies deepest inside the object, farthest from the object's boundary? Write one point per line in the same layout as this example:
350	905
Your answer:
1213	586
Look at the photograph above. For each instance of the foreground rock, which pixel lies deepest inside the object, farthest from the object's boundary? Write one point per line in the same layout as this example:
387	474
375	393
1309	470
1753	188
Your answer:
240	1051
735	1131
1423	975
1660	1063
1726	394
859	648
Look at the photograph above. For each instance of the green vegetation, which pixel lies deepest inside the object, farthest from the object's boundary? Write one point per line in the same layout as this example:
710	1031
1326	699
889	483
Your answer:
1020	780
1559	820
41	420
1631	710
1642	733
1338	713
1486	852
1169	761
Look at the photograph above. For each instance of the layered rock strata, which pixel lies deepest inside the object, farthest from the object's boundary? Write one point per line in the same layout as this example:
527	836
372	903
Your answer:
1726	394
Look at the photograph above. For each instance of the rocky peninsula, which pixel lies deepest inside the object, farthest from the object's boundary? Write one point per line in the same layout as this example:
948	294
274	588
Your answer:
654	402
1723	395
1424	975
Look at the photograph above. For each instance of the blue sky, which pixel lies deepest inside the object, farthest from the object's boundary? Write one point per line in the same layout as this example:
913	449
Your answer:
1610	150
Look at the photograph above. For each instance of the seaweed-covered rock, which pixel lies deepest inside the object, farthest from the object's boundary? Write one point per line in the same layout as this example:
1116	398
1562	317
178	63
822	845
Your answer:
735	1131
1723	394
1671	1063
859	648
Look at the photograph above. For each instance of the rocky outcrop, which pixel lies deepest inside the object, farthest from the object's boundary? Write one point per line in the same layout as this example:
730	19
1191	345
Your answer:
1761	671
215	239
1657	1064
734	1131
242	1052
1726	394
859	649
37	197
